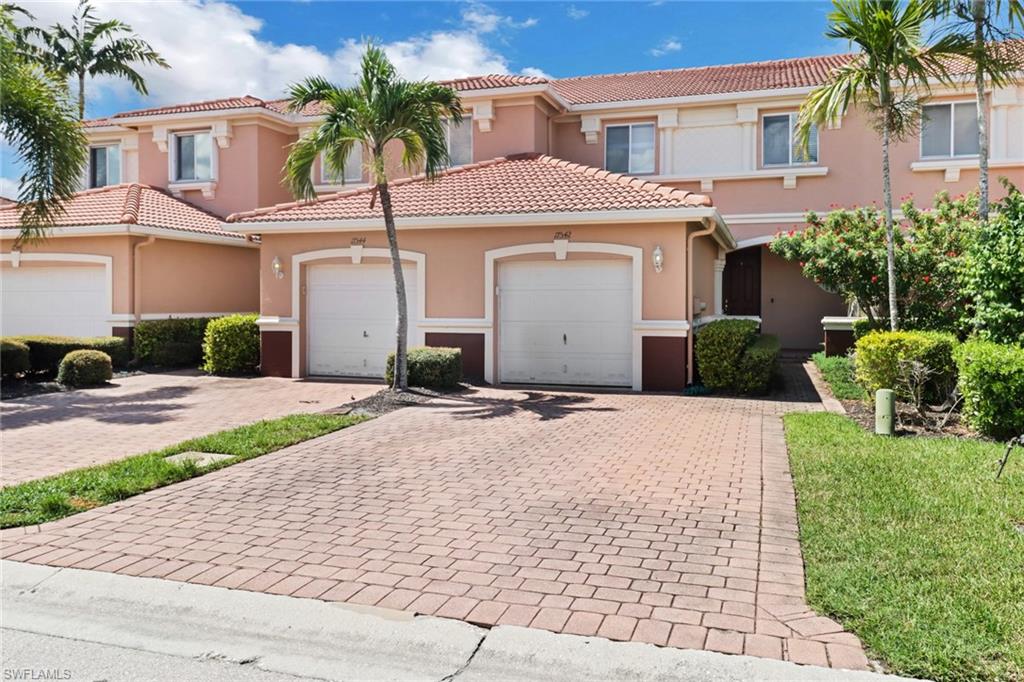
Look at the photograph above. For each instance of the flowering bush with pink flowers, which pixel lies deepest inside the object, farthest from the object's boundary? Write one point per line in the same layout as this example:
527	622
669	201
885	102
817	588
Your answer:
844	252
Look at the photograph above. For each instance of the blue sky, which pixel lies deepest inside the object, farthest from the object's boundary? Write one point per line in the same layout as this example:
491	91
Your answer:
219	48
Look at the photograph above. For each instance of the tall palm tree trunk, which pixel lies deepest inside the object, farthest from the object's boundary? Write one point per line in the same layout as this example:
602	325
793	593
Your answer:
401	378
81	95
890	241
979	12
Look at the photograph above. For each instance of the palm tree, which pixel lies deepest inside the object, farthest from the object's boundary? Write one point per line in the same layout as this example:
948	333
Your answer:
379	109
981	28
887	79
95	48
37	118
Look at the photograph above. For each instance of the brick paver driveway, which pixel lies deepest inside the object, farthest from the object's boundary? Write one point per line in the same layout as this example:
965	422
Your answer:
657	518
47	434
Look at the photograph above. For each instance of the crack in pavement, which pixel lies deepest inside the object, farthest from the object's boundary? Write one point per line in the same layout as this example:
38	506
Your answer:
462	668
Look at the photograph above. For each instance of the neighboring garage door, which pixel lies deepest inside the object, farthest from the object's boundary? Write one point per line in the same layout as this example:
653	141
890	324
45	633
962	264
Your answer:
352	316
70	300
566	322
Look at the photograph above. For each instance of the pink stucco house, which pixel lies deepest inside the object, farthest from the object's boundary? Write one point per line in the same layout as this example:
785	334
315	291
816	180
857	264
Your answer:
588	227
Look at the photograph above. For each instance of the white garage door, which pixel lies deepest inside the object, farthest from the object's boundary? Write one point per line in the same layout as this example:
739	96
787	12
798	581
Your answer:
566	322
68	300
352	316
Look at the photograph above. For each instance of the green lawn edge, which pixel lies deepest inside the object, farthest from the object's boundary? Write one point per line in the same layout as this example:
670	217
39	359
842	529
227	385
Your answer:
912	545
837	370
72	492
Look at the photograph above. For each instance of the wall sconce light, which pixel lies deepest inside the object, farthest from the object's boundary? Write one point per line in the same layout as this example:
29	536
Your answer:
658	258
15	257
276	266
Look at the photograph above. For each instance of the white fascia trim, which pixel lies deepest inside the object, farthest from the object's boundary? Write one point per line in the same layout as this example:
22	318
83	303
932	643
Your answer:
694	99
662	327
540	89
839	323
460	324
772	172
357	254
204	116
769	218
161	232
186	316
276	323
654	215
106	261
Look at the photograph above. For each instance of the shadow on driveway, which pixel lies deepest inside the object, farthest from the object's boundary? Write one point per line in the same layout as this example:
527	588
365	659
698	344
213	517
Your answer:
151	406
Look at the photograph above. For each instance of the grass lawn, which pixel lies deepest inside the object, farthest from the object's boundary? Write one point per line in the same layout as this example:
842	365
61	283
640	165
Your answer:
838	372
75	491
912	545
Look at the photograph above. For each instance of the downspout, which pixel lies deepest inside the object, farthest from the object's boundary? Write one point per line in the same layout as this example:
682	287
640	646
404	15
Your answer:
689	294
137	277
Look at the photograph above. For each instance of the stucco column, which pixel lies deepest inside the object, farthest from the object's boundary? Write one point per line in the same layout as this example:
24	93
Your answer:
719	269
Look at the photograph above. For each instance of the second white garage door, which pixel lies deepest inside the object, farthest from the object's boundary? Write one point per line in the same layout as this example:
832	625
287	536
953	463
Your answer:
566	322
65	300
352	316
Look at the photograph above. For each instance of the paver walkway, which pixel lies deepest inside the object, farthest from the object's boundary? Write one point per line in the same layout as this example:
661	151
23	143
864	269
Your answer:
46	434
656	518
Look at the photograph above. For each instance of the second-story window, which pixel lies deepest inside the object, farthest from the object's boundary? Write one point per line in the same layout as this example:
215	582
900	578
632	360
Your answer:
104	165
193	157
780	144
353	169
629	148
460	141
949	129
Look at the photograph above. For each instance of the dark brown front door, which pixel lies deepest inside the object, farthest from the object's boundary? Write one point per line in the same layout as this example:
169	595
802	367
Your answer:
741	282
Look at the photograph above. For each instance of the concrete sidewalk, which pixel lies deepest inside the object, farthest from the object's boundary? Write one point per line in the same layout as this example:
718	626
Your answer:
118	623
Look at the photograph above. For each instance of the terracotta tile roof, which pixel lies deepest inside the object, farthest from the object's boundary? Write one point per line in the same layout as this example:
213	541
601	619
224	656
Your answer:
703	80
492	81
243	102
520	184
98	122
127	204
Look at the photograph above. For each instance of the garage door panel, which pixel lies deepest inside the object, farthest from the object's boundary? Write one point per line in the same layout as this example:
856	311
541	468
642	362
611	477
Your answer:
67	300
352	316
566	322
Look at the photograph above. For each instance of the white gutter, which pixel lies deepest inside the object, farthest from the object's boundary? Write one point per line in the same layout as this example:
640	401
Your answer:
161	232
654	215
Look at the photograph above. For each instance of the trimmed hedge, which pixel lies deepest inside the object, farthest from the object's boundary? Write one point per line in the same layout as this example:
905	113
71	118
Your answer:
757	365
14	357
47	352
85	368
992	384
430	367
879	354
719	347
864	326
170	342
231	345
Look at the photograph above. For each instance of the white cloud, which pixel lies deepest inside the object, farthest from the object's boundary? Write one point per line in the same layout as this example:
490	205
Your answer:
9	188
214	49
665	47
575	13
536	73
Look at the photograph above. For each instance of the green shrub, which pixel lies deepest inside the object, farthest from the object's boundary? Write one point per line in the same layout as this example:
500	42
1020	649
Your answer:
85	368
14	358
47	352
882	358
863	325
170	342
757	365
992	384
430	367
719	348
231	345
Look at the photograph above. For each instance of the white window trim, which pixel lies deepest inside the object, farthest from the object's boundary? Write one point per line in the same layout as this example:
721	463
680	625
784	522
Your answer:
467	121
120	163
789	147
172	160
952	104
629	155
